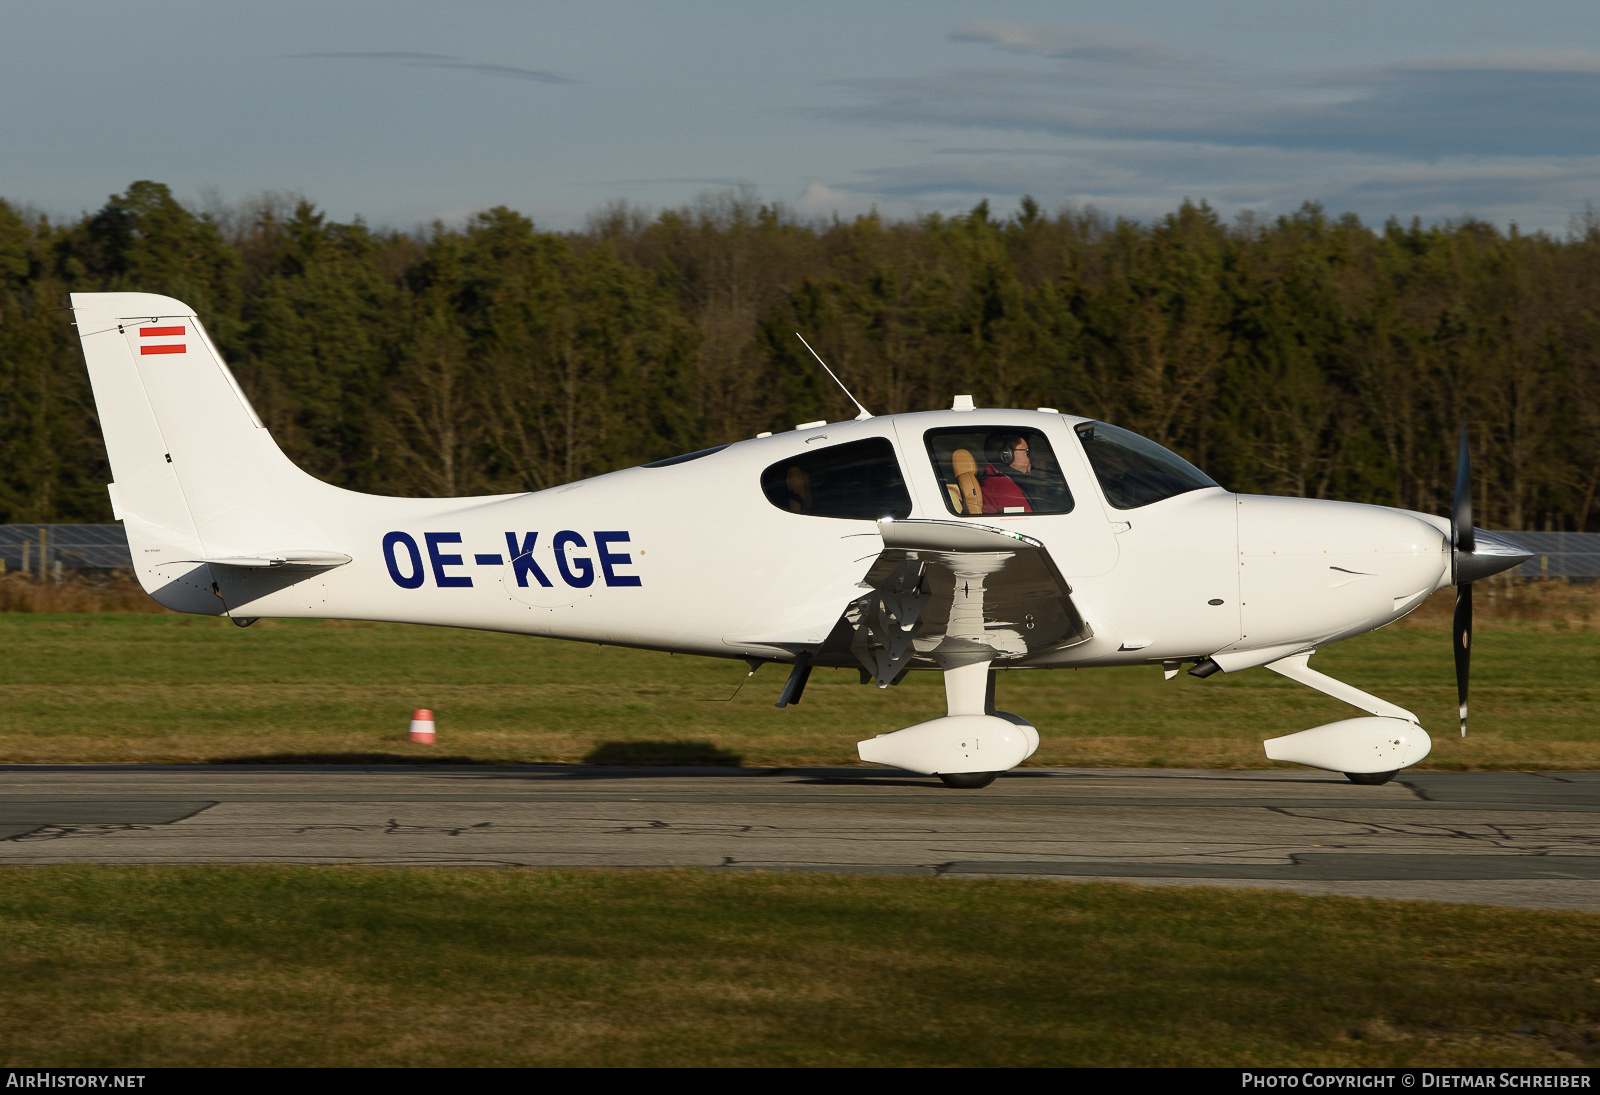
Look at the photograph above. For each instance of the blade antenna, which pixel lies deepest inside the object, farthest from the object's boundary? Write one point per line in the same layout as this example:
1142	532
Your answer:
865	414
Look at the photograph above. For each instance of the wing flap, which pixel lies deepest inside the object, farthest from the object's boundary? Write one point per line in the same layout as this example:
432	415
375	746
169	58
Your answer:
931	535
950	593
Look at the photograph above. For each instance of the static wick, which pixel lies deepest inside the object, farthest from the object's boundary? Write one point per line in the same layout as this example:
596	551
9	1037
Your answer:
754	664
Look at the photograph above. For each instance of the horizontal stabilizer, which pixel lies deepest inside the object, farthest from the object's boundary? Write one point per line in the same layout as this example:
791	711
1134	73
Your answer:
309	560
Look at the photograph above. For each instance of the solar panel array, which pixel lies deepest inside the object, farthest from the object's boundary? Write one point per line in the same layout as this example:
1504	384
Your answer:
78	547
105	547
1559	554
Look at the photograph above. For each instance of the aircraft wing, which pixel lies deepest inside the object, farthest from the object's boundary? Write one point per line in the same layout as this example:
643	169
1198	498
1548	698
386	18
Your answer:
949	593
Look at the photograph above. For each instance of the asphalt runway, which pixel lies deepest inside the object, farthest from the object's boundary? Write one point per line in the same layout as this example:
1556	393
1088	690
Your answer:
1527	839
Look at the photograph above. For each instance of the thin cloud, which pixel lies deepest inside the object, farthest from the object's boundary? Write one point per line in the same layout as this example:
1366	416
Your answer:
445	60
1525	60
1102	44
1102	83
820	200
725	181
383	56
1142	179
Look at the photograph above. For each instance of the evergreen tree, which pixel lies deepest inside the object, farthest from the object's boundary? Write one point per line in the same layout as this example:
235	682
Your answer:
1307	355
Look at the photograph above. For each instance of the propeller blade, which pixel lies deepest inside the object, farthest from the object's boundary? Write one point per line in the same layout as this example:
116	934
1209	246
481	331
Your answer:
1461	633
1463	542
1462	538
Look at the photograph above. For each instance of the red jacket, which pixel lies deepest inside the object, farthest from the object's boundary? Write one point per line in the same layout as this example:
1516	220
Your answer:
1000	492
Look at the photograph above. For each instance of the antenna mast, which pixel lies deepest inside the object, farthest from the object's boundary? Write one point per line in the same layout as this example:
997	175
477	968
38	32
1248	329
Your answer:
865	414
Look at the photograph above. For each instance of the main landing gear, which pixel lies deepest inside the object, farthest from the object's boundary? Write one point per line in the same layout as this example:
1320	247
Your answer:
967	748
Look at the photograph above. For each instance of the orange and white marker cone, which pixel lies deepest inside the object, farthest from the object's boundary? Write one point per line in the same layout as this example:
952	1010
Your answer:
422	726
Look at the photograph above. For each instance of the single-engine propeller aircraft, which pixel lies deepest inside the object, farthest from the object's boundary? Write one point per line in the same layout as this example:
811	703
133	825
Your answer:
962	541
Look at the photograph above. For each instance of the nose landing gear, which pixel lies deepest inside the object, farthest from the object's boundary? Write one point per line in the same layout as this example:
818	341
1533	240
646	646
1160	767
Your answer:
968	780
1371	779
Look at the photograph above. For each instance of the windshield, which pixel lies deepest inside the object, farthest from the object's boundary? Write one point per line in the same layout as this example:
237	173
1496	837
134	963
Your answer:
1134	471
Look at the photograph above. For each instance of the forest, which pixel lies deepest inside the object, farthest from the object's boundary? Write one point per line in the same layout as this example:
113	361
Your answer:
1309	354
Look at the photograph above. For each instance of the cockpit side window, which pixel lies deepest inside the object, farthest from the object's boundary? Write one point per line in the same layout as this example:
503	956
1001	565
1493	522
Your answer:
1135	471
860	481
997	470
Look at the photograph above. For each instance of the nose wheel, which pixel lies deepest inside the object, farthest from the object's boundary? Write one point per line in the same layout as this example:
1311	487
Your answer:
971	780
1371	779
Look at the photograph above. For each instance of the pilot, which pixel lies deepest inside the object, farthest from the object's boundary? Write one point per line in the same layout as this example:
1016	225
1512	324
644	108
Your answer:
1008	458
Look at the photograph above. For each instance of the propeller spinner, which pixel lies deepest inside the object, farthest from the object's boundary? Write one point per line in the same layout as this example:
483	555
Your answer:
1474	554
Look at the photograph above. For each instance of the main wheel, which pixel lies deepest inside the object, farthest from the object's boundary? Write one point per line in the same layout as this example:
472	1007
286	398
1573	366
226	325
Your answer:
1371	779
968	780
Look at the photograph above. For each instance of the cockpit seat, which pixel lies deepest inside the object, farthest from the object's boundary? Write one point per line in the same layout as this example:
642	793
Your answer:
968	497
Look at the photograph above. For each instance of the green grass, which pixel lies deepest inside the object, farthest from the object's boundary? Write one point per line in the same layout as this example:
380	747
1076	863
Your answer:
152	966
190	966
118	688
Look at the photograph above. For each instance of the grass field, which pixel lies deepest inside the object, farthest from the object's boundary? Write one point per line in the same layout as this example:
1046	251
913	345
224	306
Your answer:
275	965
168	688
152	966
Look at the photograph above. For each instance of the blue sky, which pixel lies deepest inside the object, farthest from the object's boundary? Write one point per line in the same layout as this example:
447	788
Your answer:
404	112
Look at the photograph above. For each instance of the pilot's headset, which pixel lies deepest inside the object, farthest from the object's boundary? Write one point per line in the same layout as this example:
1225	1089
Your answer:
999	447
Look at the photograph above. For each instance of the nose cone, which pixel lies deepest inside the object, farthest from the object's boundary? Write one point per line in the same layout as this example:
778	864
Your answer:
1492	553
1313	571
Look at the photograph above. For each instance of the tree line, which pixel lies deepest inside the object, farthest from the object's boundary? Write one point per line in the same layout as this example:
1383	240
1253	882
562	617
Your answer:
1307	355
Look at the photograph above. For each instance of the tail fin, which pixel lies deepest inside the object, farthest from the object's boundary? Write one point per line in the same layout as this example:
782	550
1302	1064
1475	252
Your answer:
197	476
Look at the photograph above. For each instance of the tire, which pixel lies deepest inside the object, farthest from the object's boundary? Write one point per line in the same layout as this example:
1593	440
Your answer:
968	780
1371	779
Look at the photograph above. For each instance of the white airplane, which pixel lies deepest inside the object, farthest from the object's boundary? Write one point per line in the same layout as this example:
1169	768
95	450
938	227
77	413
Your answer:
963	541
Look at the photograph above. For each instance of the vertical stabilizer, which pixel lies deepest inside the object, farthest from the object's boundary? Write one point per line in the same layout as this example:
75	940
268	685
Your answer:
196	474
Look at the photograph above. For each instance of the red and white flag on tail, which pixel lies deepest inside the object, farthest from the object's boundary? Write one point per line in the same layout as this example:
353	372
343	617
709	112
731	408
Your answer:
164	337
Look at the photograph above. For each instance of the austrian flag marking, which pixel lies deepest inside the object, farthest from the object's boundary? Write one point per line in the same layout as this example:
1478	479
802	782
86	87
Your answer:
162	348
